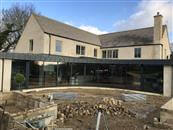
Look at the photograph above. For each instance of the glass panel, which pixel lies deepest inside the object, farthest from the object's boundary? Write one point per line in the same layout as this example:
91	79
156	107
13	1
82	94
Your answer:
36	75
78	49
109	53
152	78
50	70
95	52
31	45
18	66
58	46
115	53
82	50
137	52
63	73
104	54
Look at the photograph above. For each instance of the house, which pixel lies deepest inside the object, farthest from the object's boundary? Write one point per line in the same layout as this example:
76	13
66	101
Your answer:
46	36
52	54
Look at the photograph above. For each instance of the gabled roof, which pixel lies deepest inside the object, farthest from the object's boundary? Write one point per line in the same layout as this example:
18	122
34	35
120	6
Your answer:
60	29
136	37
128	38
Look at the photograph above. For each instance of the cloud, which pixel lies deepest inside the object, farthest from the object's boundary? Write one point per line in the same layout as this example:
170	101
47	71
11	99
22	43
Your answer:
143	16
87	28
92	29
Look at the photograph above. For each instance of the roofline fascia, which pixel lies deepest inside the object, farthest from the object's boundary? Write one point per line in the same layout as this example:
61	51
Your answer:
68	59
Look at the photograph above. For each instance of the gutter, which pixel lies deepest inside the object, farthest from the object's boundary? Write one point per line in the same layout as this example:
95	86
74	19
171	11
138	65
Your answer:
49	44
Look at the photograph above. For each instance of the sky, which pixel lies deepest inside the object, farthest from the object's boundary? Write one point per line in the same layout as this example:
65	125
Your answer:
103	16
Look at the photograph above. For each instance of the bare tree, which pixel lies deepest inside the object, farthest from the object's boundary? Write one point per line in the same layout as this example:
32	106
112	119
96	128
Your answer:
13	22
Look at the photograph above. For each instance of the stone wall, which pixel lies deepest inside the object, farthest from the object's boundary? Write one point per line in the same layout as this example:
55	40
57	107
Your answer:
35	109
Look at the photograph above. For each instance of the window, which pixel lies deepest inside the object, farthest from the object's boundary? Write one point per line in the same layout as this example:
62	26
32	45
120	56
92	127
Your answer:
137	52
115	53
80	50
103	54
109	53
58	46
31	45
95	52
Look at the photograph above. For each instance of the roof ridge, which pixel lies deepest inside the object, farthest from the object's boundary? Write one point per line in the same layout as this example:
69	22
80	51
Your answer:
164	25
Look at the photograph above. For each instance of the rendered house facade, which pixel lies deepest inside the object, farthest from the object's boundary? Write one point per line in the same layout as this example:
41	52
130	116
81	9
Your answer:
46	36
53	54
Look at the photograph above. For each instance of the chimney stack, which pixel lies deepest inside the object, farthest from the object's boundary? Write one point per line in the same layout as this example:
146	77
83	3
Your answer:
158	28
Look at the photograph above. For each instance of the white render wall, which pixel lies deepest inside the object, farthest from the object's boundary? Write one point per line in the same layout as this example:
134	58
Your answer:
168	81
31	31
6	75
147	52
69	47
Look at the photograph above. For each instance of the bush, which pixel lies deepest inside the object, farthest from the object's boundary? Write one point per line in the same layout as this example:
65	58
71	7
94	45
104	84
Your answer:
19	78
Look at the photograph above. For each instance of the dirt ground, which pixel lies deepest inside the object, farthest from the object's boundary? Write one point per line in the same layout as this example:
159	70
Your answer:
120	122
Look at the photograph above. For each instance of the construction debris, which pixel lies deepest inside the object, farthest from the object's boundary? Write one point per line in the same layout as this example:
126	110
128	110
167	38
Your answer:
109	106
23	111
72	109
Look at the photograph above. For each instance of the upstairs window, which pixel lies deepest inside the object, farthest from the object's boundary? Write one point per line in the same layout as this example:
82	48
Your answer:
80	50
109	53
31	42
95	52
137	52
115	53
103	54
58	46
77	49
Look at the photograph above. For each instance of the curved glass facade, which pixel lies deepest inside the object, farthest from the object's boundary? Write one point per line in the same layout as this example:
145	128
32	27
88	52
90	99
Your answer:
126	76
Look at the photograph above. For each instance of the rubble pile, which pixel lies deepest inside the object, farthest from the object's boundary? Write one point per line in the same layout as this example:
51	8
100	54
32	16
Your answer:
109	106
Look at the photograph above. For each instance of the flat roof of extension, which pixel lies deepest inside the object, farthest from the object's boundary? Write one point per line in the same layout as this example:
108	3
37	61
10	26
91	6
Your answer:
58	58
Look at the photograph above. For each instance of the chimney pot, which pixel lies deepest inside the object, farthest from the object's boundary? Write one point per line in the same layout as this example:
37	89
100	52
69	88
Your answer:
158	13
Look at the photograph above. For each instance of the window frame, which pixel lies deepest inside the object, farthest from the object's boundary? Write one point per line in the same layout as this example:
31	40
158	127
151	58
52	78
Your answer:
137	52
78	48
115	53
82	50
95	52
104	53
31	45
109	54
60	45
